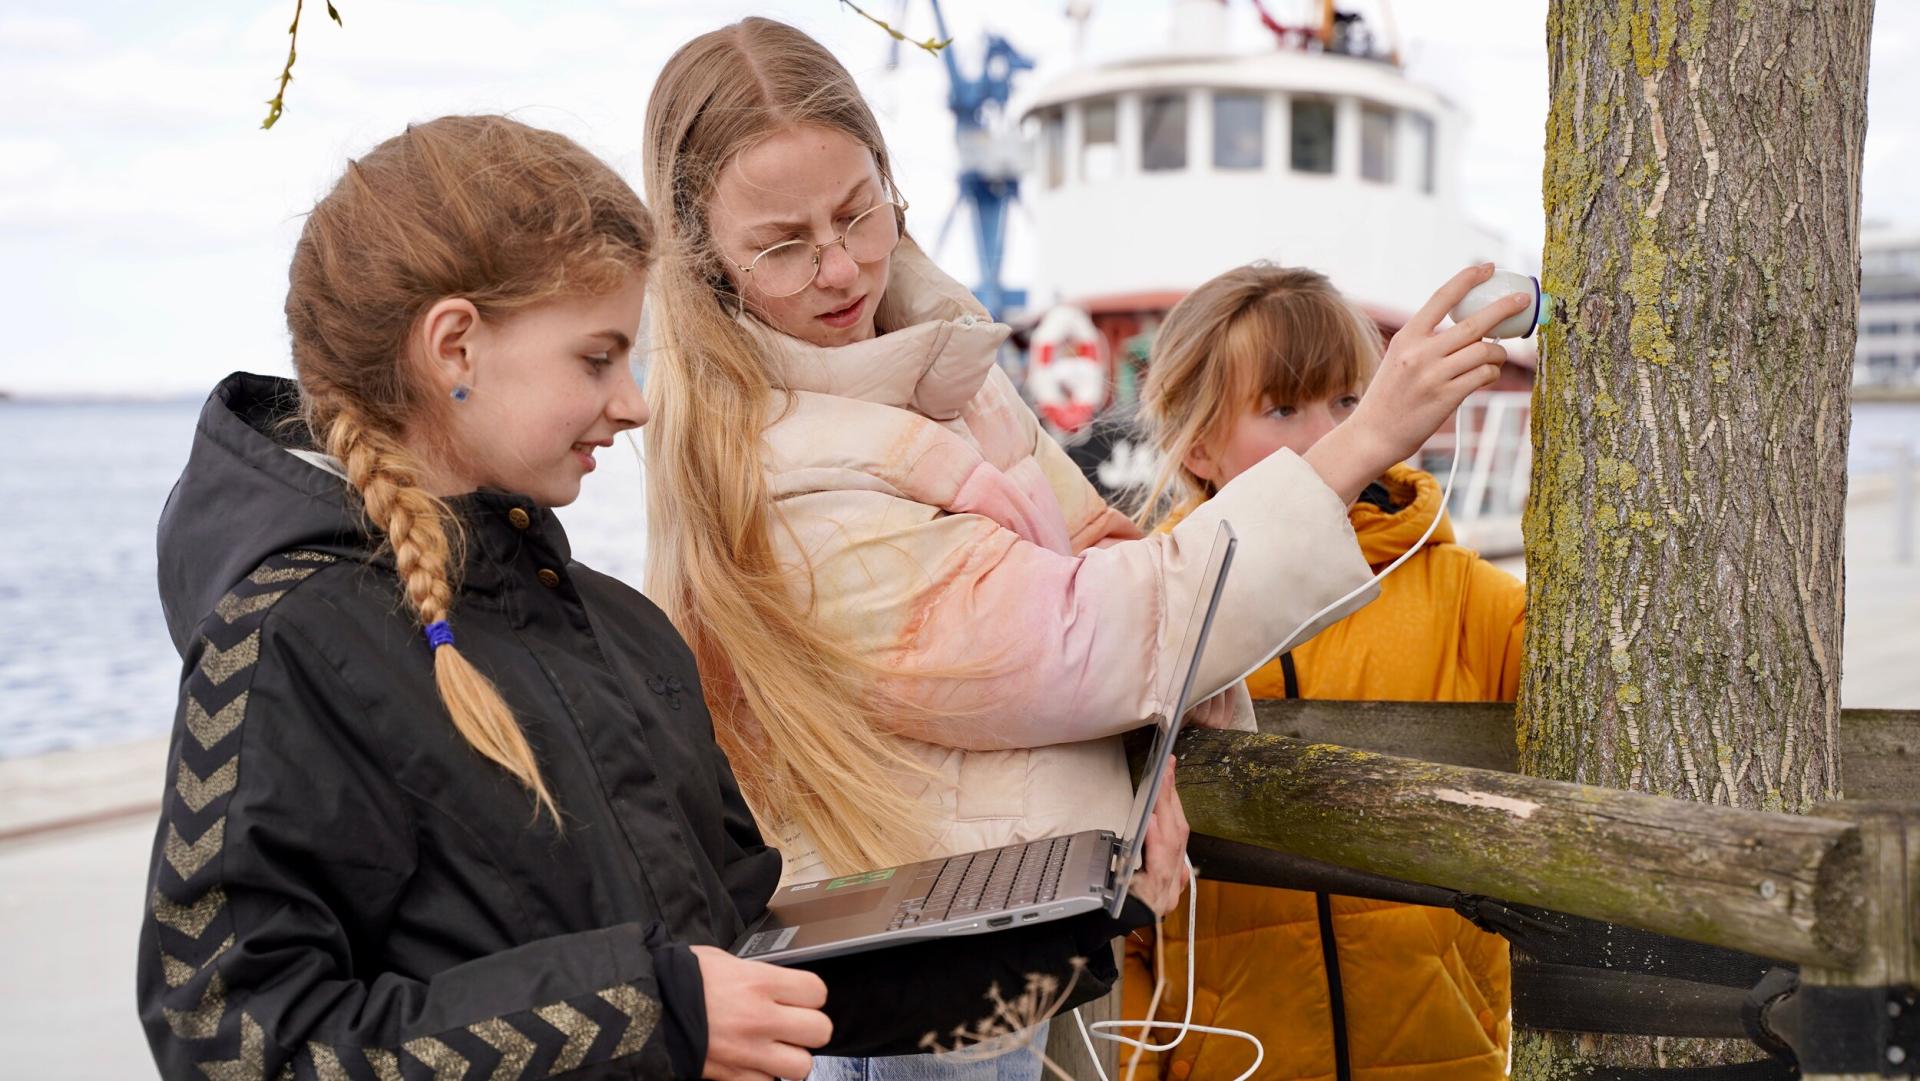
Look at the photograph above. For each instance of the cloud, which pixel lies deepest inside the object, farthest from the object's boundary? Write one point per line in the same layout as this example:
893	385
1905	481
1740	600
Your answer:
24	32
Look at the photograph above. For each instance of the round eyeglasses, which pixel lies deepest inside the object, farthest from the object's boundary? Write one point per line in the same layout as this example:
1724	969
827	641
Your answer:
790	266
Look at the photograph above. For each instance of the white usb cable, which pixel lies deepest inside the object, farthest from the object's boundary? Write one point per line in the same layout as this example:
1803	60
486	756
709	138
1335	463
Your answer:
1103	1029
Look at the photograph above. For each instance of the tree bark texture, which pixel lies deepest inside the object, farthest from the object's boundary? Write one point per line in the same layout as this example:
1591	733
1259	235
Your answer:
1684	535
1879	748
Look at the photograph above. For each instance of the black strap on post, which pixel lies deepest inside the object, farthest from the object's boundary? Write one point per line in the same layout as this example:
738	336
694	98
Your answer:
1574	998
1611	947
1851	1030
1579	975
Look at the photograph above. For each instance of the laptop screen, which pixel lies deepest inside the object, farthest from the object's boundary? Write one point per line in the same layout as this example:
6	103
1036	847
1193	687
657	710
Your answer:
1179	691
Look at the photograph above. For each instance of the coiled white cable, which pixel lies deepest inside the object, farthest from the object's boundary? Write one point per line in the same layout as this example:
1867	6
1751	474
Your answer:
1101	1029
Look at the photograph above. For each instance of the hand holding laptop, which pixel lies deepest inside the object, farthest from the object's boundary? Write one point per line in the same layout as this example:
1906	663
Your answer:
761	1018
1163	869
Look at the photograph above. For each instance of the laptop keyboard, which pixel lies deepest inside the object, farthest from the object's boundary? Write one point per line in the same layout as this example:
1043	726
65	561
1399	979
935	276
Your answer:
988	881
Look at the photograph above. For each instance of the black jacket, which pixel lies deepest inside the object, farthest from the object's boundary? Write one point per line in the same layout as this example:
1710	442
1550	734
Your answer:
342	888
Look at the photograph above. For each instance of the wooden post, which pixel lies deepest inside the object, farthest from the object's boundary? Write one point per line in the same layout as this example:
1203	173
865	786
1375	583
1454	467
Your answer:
1888	895
1777	885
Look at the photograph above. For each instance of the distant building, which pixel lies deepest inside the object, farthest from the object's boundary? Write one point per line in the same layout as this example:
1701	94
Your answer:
1888	353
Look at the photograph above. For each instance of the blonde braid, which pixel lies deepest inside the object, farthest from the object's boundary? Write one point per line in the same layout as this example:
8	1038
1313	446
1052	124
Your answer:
415	523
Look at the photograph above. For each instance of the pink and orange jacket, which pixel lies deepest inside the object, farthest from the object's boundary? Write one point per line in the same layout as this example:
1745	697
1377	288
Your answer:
956	544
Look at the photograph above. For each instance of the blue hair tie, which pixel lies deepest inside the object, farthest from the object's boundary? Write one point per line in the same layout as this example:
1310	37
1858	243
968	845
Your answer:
439	634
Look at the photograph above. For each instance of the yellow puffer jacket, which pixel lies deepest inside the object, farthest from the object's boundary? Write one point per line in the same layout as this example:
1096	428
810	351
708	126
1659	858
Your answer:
1425	994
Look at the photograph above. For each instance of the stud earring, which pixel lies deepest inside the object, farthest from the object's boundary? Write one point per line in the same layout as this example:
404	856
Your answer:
461	392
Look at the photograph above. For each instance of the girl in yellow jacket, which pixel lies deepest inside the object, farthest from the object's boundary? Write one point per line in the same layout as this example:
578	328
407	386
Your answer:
1259	359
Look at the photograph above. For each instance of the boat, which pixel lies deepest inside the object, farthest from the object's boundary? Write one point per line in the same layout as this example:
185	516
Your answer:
1306	146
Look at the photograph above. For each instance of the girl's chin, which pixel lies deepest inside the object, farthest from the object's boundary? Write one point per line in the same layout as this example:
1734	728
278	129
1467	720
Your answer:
827	336
557	493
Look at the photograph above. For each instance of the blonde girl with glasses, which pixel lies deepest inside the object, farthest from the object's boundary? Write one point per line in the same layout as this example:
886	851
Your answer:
920	629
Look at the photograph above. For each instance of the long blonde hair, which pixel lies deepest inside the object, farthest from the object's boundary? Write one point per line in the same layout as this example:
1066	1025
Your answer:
480	207
800	713
1256	333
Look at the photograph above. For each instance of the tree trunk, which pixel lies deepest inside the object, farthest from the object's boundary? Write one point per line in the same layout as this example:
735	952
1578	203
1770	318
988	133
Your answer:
1684	536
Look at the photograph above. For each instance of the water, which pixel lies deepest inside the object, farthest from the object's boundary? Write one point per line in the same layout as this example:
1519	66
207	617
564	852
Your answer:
84	656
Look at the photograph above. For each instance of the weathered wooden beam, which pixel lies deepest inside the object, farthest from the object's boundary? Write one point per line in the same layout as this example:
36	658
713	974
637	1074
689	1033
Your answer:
1879	748
1777	885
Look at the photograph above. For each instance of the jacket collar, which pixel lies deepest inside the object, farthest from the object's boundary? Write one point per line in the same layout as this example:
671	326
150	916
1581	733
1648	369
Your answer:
1386	534
933	360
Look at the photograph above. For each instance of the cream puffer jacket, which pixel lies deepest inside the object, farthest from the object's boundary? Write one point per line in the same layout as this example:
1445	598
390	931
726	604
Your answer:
953	541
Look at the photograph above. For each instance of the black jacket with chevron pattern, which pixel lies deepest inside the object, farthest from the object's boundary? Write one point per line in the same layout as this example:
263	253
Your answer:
341	888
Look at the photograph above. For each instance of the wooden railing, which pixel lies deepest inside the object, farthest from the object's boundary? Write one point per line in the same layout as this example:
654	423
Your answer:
1420	792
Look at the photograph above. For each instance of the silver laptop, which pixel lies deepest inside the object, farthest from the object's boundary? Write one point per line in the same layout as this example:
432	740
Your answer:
981	892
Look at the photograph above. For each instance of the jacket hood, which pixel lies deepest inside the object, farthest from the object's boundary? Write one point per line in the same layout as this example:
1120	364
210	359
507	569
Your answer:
934	353
1385	534
243	497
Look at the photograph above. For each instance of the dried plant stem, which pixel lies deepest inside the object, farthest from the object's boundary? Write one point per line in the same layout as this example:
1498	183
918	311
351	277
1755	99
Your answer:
931	45
277	103
986	1038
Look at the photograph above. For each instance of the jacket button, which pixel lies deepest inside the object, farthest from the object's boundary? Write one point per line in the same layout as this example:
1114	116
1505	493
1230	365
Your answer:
519	518
549	577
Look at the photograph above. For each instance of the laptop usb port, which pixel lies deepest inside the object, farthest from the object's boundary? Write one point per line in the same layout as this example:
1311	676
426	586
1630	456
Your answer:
999	921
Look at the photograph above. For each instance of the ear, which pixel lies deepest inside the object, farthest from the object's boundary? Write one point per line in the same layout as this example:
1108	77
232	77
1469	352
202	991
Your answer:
1199	461
445	338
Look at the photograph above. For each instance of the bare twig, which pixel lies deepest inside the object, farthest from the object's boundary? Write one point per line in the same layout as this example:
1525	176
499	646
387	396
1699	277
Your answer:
278	101
931	45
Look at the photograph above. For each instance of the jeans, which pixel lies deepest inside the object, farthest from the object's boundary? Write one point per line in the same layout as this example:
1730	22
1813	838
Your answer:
1021	1063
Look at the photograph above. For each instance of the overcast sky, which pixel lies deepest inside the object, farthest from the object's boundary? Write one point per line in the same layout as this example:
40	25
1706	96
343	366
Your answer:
146	221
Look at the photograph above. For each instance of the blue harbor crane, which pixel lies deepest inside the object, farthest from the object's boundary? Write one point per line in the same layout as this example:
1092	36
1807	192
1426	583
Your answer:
991	157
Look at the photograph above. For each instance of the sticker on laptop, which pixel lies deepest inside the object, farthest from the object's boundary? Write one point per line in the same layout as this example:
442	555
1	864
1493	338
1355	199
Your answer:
769	941
865	879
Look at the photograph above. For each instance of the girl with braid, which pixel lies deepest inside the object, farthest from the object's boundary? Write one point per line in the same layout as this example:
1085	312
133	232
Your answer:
440	799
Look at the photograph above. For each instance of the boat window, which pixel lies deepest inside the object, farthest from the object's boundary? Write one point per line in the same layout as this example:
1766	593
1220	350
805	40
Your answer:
1376	143
1100	152
1163	132
1423	149
1053	144
1312	135
1239	131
